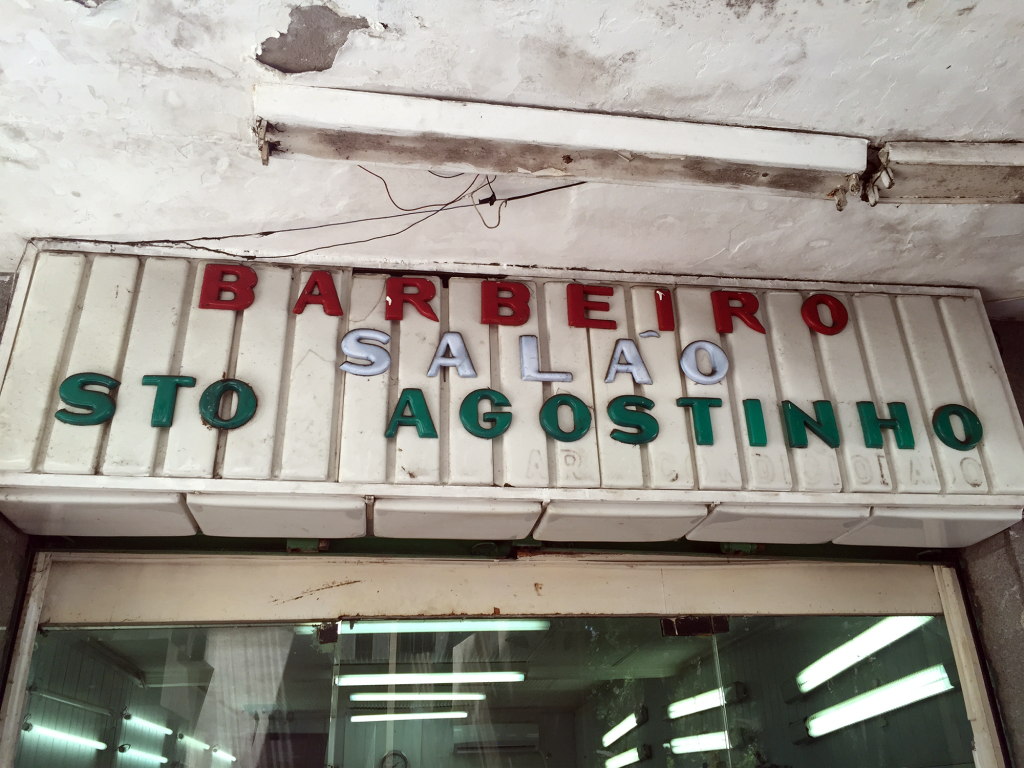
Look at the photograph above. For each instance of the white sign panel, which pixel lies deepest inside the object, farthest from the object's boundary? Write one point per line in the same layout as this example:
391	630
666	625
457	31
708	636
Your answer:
150	396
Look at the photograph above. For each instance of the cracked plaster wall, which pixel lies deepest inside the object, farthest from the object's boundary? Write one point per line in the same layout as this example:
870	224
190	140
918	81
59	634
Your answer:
132	121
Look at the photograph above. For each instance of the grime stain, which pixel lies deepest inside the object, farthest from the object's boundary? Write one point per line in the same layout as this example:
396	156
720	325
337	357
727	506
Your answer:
742	7
314	37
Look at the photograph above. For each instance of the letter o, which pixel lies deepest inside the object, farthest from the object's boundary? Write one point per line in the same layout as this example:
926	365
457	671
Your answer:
581	418
811	313
943	426
719	362
209	404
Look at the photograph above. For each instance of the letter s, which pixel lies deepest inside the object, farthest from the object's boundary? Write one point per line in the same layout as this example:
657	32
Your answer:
354	346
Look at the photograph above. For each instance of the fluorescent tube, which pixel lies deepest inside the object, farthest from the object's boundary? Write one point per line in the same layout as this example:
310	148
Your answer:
705	742
217	752
61	736
700	703
632	721
146	756
415	678
443	625
886	632
628	757
408	716
194	742
148	725
417	697
921	685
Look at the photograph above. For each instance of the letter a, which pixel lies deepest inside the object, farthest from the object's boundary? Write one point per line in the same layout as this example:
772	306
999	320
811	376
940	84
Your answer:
626	359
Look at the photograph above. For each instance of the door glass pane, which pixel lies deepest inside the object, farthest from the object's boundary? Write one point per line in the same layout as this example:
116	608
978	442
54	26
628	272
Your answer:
580	692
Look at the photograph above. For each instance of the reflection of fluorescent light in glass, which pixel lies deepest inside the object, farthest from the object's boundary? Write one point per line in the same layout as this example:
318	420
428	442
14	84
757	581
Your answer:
628	757
195	743
414	678
443	625
921	685
884	633
146	756
60	736
223	755
409	716
417	697
705	742
637	718
146	724
700	703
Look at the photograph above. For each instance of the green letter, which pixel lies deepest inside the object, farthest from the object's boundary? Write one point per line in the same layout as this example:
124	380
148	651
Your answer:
100	405
166	396
797	423
469	414
968	419
757	435
872	426
580	418
700	410
209	403
646	425
418	416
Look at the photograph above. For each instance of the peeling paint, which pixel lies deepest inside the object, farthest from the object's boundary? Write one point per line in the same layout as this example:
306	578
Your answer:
314	37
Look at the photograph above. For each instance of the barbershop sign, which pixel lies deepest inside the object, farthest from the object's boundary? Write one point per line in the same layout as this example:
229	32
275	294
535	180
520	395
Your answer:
578	409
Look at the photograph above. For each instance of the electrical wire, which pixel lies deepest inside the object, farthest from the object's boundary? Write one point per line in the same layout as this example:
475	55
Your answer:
418	207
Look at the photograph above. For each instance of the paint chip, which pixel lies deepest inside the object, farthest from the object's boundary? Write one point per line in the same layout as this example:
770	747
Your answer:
314	37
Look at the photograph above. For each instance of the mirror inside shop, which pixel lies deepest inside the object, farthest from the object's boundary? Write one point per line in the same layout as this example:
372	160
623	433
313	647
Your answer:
565	692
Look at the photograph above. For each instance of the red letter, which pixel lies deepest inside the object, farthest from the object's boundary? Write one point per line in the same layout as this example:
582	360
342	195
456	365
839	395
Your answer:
811	313
491	302
326	295
241	288
396	297
721	303
663	304
579	305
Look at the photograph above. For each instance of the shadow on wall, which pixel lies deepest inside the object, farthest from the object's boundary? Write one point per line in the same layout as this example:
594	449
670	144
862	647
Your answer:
314	37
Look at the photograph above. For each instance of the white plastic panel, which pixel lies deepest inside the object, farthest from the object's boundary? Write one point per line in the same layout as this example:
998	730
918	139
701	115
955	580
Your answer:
454	519
614	521
81	512
930	526
294	516
778	523
25	396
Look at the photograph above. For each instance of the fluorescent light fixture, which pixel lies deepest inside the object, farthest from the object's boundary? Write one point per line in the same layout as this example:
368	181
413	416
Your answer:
384	717
629	757
145	755
418	678
61	736
632	721
921	685
699	703
191	742
417	697
442	625
148	725
221	754
705	742
886	632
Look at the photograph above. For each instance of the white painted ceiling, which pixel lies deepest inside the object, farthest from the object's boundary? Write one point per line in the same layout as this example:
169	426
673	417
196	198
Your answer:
133	121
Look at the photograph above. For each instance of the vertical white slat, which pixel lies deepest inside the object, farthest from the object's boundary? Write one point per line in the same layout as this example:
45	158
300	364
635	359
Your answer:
310	406
524	448
621	463
817	465
418	459
192	445
867	469
470	459
914	468
102	327
962	471
577	463
249	449
131	443
751	378
35	360
670	457
981	372
718	465
364	449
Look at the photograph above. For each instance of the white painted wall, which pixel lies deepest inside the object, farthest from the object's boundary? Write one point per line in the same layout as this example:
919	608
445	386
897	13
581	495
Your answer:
132	122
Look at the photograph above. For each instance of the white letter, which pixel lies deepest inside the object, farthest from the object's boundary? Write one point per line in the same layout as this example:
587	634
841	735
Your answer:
459	358
529	363
378	360
633	365
719	362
